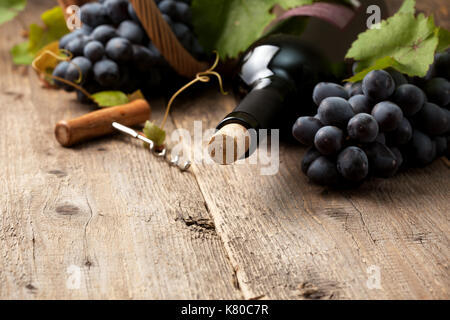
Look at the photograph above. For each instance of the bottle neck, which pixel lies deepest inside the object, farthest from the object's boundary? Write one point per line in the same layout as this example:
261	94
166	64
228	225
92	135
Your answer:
264	105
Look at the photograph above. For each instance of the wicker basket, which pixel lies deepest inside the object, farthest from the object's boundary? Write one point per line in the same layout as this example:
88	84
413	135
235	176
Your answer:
160	34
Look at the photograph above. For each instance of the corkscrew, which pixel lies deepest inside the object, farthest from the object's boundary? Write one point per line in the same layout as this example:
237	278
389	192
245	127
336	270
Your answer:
175	161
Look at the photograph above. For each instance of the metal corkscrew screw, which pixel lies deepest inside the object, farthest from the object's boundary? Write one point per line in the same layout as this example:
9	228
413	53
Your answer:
175	161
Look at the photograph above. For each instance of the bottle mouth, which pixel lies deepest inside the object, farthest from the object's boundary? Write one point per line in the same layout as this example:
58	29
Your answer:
247	131
240	117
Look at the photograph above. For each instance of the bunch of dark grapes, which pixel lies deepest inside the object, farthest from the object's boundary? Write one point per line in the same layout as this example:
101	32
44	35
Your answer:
374	127
113	52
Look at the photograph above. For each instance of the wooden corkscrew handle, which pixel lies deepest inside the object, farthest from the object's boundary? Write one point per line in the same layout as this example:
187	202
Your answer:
99	123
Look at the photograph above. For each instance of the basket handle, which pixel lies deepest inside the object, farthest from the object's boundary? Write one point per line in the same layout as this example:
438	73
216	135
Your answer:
165	40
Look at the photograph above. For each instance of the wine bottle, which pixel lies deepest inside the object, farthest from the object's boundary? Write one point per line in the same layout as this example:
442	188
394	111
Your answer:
277	76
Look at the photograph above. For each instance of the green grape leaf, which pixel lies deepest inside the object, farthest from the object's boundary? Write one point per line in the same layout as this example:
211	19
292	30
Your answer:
154	133
54	28
408	40
10	8
106	99
21	55
380	64
231	26
444	40
408	6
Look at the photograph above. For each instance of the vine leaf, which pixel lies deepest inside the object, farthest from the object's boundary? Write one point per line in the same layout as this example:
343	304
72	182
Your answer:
10	8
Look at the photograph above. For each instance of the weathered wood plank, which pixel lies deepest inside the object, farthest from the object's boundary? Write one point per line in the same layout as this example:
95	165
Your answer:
290	239
134	227
138	229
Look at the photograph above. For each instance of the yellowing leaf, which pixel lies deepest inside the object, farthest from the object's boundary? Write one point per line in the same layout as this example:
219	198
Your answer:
48	61
136	95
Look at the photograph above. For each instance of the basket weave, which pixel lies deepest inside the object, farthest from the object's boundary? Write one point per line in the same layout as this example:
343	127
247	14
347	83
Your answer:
161	36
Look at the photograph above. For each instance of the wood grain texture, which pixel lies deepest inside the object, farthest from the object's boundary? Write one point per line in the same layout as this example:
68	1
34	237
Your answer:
134	226
289	239
138	229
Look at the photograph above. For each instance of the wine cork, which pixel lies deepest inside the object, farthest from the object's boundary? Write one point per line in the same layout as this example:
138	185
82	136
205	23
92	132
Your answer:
229	144
99	123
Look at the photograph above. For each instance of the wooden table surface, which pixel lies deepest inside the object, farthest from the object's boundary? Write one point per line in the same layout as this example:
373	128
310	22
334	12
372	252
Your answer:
107	220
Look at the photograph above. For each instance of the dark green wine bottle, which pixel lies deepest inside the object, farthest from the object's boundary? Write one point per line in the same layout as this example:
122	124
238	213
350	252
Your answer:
277	76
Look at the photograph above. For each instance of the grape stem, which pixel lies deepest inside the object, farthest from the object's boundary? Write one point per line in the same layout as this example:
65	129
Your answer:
204	76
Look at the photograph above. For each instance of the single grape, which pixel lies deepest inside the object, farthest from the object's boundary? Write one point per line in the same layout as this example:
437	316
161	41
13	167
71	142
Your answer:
398	77
183	12
360	104
409	98
401	135
94	51
132	31
438	91
143	57
305	129
76	46
329	140
363	128
323	171
60	72
78	70
382	161
325	90
335	111
356	89
168	7
378	85
117	10
398	155
432	119
106	73
353	164
310	156
388	115
421	148
94	14
104	33
69	37
119	49
183	35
